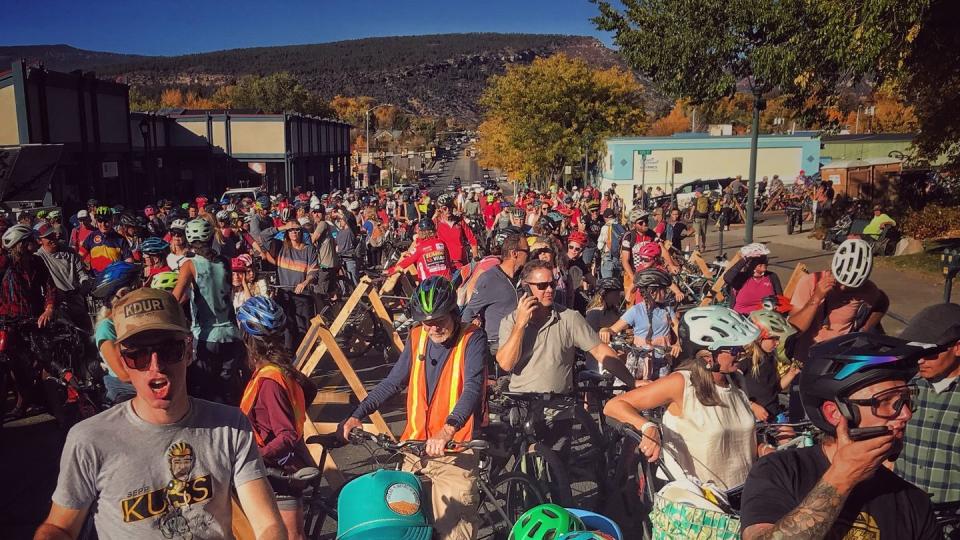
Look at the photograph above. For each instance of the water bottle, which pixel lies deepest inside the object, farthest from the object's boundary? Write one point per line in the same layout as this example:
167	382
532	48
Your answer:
782	418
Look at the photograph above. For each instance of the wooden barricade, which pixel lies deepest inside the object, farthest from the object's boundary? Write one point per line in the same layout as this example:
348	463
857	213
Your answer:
720	283
798	272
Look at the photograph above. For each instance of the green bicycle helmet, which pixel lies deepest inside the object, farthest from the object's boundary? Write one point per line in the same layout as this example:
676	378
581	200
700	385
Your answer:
199	230
166	281
545	522
433	299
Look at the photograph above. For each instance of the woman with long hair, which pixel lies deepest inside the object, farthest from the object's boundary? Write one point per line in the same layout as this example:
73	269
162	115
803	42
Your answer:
275	401
765	376
297	270
217	372
708	426
177	237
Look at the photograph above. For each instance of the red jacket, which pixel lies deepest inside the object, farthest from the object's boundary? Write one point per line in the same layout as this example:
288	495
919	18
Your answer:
457	237
431	257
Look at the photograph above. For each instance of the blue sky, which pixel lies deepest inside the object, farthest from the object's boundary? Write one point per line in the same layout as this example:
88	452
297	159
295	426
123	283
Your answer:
177	27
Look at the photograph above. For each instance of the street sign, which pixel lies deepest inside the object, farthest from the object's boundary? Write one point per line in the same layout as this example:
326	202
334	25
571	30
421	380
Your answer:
644	152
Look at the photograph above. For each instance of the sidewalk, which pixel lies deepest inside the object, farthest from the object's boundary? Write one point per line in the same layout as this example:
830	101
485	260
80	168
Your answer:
909	292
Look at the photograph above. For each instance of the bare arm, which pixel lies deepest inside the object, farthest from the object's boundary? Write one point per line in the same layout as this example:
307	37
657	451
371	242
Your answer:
256	499
111	353
509	354
611	361
185	280
625	262
61	523
809	521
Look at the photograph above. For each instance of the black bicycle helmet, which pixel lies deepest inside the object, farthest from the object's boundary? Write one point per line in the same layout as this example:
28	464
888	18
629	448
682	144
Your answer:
503	233
609	284
127	220
433	299
839	367
426	224
652	278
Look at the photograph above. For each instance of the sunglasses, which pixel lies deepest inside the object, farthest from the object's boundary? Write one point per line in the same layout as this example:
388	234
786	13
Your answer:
167	354
889	403
537	252
543	285
734	351
574	247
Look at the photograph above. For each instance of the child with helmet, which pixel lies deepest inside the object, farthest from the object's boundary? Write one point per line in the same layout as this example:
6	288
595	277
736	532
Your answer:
116	280
764	374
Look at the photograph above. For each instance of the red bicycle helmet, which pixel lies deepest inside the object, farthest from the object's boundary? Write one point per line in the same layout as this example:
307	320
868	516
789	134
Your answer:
579	237
650	250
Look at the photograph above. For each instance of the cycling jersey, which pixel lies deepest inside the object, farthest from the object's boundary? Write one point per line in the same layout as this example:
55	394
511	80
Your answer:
634	242
431	258
101	249
456	236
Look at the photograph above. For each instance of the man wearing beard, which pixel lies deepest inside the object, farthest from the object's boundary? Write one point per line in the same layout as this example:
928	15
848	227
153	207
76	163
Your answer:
442	355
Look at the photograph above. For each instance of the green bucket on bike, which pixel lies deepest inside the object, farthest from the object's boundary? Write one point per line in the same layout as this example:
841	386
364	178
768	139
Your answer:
384	504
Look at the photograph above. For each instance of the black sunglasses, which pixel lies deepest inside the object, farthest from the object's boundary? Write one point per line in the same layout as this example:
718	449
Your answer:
167	354
537	252
574	247
889	403
543	285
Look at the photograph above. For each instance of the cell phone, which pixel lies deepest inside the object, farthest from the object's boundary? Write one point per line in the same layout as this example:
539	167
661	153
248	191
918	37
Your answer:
862	434
526	290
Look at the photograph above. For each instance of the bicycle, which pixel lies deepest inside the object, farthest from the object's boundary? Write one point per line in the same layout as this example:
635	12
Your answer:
799	434
504	497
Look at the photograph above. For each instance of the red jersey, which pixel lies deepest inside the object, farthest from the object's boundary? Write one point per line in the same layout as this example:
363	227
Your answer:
456	236
430	256
490	214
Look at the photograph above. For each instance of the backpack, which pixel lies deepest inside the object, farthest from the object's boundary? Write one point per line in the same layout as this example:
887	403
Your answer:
616	239
377	236
702	206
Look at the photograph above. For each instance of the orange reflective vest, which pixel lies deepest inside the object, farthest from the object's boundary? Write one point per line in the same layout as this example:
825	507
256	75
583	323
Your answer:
424	420
290	386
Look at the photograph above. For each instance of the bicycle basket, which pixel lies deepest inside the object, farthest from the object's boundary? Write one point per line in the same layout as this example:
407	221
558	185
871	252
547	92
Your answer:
681	521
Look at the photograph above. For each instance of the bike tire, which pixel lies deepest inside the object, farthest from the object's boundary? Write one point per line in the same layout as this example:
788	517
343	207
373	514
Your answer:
587	463
514	493
544	465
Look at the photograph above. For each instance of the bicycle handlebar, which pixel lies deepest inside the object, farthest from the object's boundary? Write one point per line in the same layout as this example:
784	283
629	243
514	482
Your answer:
359	436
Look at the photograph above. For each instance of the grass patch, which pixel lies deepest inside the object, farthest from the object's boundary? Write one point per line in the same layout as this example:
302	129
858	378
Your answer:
927	263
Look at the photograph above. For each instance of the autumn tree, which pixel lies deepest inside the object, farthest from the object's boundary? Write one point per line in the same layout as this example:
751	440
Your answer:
676	121
544	115
352	109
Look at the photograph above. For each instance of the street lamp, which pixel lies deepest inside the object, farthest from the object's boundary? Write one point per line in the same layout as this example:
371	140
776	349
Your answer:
144	127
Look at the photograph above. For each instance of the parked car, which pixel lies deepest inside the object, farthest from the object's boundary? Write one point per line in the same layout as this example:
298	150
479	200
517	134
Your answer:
684	193
239	193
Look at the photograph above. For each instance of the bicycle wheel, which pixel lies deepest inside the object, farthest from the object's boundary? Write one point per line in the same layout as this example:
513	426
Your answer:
586	462
543	464
502	505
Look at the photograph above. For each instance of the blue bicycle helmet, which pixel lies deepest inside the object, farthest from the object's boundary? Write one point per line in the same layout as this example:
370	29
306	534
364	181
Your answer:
154	246
115	276
261	317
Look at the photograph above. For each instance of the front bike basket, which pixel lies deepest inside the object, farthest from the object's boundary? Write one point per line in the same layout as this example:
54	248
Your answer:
681	521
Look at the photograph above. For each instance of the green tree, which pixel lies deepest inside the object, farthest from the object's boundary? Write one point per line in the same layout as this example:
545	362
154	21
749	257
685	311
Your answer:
547	113
141	102
277	93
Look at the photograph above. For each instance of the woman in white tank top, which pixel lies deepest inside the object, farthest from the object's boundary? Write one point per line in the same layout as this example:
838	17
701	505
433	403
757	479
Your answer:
708	426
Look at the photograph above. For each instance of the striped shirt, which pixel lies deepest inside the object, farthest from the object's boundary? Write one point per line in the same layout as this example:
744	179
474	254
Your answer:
931	445
294	265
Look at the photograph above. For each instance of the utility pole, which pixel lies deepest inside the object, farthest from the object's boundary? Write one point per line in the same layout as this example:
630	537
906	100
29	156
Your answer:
758	105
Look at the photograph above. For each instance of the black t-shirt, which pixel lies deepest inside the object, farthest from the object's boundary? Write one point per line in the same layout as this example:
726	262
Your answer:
763	387
884	506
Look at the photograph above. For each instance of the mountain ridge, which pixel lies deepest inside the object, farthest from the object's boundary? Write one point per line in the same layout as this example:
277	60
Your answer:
437	74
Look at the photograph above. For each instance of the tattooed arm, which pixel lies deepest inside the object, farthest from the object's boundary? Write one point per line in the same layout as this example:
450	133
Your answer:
809	521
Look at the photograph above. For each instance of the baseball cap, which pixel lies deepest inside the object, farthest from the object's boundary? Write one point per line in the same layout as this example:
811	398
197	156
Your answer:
391	508
45	230
148	309
938	324
83	214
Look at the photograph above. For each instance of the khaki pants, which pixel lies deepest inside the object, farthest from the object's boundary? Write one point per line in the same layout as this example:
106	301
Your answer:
450	488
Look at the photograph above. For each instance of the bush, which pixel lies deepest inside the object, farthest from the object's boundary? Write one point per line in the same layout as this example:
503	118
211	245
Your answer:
932	222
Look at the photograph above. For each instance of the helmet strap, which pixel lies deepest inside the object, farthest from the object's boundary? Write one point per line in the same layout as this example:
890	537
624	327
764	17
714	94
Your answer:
849	411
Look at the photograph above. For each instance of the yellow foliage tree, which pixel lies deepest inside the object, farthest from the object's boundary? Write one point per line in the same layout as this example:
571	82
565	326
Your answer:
541	117
352	109
171	97
676	121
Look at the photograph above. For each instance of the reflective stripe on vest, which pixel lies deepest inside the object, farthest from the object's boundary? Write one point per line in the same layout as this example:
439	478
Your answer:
290	387
426	418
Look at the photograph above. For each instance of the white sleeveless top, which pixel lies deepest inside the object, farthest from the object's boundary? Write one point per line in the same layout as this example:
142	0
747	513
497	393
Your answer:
713	443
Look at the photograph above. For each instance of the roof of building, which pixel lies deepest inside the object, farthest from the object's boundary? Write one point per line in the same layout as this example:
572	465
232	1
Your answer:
868	137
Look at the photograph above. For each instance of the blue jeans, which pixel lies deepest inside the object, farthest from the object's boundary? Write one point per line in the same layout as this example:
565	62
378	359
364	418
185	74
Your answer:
609	268
350	267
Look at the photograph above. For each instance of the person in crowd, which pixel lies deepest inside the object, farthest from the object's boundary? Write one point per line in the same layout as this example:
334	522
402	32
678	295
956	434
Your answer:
105	245
261	221
155	223
749	280
878	223
456	236
227	238
55	219
676	231
429	254
760	365
162	440
608	245
930	458
854	390
80	233
700	210
444	357
204	281
605	308
179	249
130	230
120	278
155	251
69	275
245	282
275	401
538	341
495	292
631	247
322	238
347	244
705	408
653	321
296	262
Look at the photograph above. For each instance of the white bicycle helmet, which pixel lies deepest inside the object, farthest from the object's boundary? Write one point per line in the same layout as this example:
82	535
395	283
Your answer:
199	230
16	234
772	323
755	249
852	262
717	326
178	224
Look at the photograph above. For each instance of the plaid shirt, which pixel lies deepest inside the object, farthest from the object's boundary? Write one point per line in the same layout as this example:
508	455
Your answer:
931	447
26	293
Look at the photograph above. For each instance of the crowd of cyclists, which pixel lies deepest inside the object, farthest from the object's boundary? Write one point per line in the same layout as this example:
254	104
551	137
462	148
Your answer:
199	307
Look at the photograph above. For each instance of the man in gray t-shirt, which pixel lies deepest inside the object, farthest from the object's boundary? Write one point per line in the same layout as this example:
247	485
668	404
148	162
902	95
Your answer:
163	464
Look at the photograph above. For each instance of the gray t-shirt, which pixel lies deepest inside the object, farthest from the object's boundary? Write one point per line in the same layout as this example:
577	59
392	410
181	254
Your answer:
494	297
549	350
158	481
